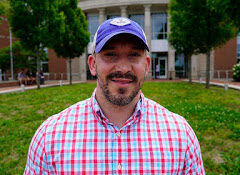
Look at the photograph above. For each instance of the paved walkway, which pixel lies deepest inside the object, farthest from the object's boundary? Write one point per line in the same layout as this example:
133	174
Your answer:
222	83
52	83
233	85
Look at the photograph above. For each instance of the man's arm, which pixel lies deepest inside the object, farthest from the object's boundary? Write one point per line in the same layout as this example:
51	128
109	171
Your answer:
36	160
193	163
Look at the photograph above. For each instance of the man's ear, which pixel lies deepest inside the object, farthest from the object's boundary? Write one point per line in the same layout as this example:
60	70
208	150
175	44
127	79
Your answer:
91	65
148	62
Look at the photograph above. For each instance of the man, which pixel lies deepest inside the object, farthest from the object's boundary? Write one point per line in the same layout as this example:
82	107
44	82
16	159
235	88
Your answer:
117	130
21	77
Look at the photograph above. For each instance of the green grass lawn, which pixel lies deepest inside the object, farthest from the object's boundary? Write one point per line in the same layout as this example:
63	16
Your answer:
214	115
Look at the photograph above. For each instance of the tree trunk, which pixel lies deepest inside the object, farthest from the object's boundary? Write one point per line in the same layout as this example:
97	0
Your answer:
208	69
70	70
38	69
189	58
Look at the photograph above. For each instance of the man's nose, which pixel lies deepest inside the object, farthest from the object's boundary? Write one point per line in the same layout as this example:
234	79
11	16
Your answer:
123	65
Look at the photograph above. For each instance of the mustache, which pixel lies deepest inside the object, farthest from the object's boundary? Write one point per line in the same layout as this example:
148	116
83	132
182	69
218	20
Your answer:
118	74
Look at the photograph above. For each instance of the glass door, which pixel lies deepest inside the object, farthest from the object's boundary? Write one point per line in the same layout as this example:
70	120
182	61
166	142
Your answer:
159	66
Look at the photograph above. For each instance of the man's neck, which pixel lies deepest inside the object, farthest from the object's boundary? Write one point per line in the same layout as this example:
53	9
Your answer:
118	115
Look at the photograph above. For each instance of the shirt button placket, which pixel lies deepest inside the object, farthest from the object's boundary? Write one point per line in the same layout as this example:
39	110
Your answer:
119	166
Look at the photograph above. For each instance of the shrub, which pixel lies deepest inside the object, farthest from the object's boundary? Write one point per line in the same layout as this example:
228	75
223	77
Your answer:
236	72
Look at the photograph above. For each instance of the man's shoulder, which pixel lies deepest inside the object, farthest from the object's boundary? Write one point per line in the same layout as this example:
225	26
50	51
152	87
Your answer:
78	112
161	114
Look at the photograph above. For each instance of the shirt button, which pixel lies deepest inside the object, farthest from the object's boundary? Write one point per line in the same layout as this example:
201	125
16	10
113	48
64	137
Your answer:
118	134
119	167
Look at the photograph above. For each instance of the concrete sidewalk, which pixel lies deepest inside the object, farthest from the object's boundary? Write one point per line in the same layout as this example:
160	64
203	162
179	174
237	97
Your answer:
232	85
220	83
52	83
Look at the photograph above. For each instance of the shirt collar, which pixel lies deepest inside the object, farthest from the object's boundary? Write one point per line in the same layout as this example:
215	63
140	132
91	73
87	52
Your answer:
97	112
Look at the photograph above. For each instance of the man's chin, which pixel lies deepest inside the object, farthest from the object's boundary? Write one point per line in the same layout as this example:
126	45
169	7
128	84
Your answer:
120	100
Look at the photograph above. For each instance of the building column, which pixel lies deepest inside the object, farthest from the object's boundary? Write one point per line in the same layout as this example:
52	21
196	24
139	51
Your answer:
171	63
101	15
171	58
147	28
124	11
147	25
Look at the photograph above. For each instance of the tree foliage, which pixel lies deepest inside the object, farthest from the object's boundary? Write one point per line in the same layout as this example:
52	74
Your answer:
199	26
232	9
33	22
73	37
183	33
2	9
216	30
22	58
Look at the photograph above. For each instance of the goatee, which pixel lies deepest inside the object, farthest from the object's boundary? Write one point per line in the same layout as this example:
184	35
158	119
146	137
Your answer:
120	99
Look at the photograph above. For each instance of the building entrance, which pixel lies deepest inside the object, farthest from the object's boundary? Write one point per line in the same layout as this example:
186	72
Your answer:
159	66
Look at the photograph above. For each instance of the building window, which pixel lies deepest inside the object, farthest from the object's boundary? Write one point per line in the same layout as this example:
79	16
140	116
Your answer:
138	18
44	66
238	48
93	23
158	26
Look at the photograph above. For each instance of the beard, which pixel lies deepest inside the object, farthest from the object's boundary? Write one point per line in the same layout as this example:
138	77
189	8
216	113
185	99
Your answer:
120	99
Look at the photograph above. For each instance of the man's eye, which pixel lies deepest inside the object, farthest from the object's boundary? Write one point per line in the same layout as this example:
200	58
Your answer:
134	55
110	57
110	54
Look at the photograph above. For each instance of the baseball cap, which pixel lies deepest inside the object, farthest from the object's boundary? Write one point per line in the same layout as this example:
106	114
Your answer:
115	26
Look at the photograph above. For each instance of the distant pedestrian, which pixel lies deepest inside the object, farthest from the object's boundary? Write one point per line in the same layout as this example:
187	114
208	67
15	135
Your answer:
42	78
21	77
157	71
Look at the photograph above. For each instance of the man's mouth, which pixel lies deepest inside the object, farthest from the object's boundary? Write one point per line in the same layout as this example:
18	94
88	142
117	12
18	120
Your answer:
122	80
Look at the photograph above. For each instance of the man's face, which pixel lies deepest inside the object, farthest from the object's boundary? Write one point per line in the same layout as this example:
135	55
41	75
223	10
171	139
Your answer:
120	68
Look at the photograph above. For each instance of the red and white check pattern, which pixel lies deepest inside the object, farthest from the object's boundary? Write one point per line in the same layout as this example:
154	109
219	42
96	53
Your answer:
81	140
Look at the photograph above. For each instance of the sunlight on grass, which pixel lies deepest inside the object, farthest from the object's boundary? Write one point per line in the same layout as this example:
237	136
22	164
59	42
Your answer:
214	115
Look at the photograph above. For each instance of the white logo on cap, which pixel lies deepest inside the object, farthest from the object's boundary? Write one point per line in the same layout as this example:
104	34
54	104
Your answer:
120	21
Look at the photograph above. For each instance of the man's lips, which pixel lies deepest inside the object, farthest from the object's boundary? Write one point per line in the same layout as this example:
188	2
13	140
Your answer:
122	80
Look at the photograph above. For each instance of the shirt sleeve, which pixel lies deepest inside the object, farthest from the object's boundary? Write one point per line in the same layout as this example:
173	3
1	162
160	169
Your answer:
36	160
193	163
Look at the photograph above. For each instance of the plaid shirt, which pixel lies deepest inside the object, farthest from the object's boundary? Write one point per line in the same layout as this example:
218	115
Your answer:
81	140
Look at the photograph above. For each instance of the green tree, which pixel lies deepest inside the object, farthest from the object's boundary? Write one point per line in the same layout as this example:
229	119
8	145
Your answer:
33	22
182	33
216	29
73	38
2	9
199	26
22	58
232	9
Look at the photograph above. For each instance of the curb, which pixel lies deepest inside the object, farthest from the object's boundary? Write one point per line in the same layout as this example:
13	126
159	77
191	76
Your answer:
218	84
